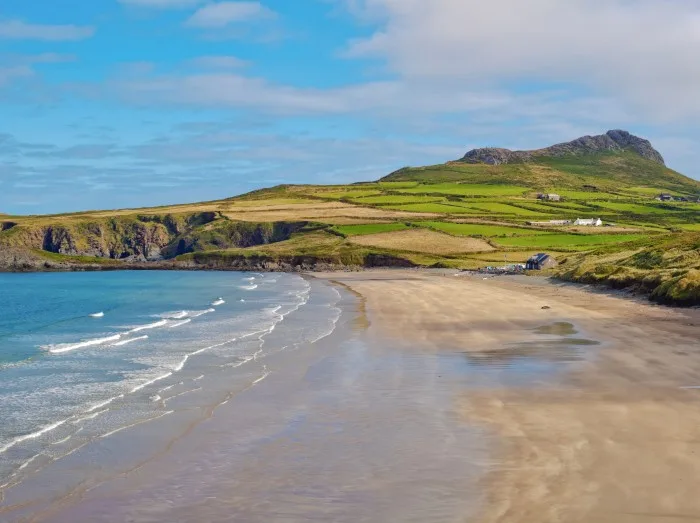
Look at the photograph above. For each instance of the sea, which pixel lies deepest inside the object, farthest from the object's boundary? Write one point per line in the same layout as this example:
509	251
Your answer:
86	356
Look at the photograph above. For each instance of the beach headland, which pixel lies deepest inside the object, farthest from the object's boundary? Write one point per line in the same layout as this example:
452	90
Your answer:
590	400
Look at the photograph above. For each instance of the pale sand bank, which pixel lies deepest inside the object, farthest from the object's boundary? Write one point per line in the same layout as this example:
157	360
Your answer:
614	437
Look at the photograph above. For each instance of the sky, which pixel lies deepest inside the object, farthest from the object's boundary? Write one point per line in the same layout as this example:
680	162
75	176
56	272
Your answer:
127	103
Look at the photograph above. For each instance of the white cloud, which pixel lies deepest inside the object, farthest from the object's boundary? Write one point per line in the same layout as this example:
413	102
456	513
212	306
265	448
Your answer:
19	30
162	4
403	101
218	62
8	74
221	14
644	52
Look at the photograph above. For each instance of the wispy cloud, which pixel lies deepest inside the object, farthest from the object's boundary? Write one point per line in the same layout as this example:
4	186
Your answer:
218	62
643	53
8	74
222	14
19	30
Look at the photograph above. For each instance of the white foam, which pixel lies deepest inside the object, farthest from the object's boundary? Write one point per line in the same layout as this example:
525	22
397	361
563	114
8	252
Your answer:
184	360
90	416
218	302
180	323
64	439
197	314
248	287
135	424
174	315
33	435
104	403
265	375
154	325
151	382
131	340
30	460
68	347
166	400
98	315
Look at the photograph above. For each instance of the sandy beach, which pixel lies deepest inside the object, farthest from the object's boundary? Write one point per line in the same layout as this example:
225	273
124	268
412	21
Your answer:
611	436
424	396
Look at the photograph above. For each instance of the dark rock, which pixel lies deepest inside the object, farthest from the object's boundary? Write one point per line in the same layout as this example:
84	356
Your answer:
496	156
612	141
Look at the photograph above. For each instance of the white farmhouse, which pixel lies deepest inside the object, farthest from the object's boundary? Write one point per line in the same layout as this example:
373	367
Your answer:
589	222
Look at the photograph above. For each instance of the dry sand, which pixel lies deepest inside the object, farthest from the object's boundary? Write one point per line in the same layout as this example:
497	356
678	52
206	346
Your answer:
613	438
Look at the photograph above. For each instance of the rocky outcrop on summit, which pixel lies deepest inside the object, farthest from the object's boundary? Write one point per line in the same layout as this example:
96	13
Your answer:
612	141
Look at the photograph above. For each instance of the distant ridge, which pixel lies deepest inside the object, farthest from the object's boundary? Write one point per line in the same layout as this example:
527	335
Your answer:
612	141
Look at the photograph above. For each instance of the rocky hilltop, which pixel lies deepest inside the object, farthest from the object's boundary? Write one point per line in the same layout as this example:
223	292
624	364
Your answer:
612	141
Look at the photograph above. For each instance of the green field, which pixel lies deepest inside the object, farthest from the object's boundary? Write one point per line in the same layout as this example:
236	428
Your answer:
369	228
503	208
393	199
585	195
352	193
396	185
438	208
463	189
565	207
565	241
651	192
634	208
476	229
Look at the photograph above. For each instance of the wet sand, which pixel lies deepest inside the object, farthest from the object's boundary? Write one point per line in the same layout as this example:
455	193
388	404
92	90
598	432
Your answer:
350	429
437	399
611	435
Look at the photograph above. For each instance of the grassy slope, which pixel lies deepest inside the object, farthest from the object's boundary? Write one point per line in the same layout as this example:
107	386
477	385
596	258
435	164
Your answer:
317	224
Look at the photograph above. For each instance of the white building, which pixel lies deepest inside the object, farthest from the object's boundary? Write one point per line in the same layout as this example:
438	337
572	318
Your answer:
589	222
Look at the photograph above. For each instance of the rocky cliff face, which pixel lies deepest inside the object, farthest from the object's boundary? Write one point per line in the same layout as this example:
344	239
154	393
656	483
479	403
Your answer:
131	239
612	141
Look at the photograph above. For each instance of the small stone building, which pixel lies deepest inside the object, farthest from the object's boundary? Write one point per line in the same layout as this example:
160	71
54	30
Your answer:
549	197
589	222
540	262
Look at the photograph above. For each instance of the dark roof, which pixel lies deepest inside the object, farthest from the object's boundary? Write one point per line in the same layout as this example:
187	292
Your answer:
539	258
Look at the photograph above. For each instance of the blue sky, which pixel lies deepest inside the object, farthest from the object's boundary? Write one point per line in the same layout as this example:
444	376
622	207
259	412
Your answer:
125	103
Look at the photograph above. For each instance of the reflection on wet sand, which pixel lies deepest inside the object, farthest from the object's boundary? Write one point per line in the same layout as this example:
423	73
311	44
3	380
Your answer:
560	349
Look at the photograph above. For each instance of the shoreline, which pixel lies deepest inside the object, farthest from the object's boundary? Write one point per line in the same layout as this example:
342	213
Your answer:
609	436
498	400
344	429
641	295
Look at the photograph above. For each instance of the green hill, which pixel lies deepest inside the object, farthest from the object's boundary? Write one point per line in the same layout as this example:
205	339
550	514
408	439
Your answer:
477	211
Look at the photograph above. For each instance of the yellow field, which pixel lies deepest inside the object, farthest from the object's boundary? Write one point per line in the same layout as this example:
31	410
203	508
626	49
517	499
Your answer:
422	240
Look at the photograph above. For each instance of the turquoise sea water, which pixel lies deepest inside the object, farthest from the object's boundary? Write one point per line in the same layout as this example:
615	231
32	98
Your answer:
86	355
